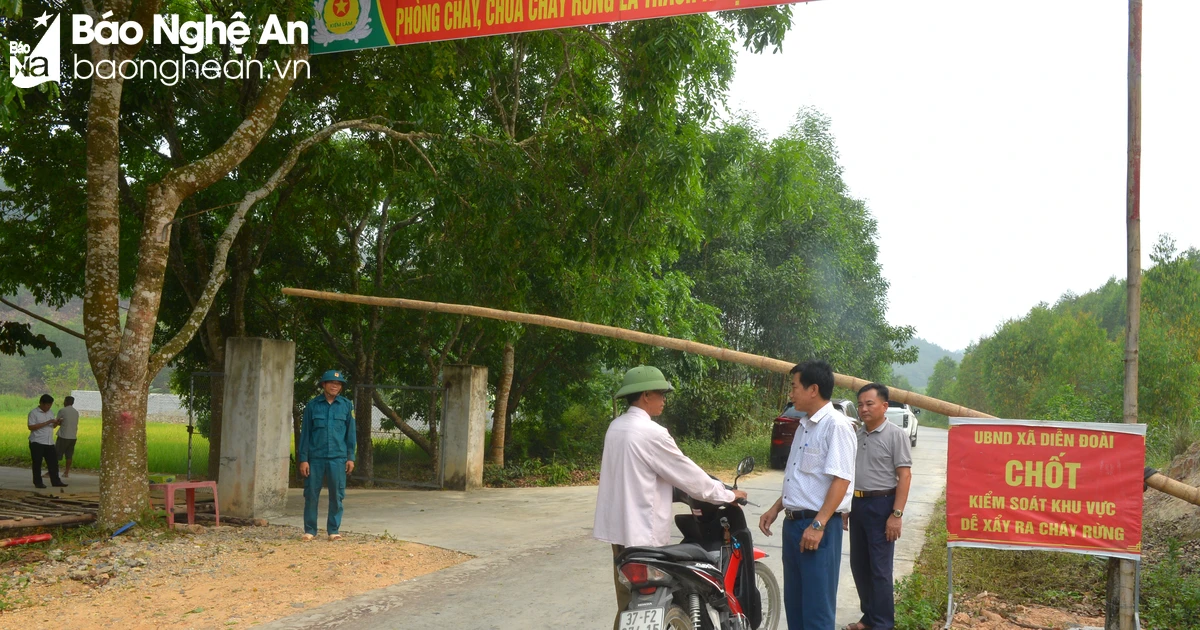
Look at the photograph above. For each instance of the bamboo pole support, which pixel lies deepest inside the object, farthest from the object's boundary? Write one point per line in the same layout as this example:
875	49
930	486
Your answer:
1177	489
724	354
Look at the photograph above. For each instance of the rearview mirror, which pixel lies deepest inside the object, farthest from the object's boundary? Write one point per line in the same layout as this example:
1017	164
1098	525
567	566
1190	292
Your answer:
745	466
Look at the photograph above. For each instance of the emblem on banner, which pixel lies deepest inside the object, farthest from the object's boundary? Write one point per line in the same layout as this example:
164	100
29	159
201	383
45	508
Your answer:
336	20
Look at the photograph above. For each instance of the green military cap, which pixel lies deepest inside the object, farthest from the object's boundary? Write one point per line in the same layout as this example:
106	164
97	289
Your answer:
334	375
644	378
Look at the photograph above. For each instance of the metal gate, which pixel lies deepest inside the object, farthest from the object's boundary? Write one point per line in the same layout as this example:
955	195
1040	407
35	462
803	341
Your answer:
397	459
200	409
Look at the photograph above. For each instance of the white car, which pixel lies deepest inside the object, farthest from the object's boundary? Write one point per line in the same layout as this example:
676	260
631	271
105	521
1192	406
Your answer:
905	417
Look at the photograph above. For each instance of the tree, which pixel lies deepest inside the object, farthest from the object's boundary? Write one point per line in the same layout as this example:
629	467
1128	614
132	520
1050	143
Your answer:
1064	362
789	261
643	91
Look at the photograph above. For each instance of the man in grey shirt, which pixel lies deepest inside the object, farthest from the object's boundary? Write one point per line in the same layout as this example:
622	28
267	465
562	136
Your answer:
882	475
68	432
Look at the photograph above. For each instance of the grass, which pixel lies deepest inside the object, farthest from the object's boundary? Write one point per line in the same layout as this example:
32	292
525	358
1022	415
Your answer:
166	444
1061	580
727	454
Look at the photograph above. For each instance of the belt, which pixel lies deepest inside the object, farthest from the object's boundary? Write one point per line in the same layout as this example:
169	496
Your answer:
866	494
796	515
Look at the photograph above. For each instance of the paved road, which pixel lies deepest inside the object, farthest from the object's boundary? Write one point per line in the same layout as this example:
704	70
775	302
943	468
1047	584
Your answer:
536	565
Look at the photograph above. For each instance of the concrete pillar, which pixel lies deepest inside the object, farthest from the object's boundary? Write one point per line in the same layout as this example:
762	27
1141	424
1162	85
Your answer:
257	427
463	432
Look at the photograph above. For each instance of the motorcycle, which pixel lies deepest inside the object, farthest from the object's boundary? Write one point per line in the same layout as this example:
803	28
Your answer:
713	580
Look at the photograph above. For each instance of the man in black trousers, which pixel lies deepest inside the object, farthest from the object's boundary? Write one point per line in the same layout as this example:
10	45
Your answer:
41	442
882	475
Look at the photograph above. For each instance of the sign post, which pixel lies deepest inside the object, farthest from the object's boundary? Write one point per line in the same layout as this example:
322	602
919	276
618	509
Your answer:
1041	485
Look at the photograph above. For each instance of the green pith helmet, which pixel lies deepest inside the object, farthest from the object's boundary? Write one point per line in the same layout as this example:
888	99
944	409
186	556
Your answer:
644	378
333	375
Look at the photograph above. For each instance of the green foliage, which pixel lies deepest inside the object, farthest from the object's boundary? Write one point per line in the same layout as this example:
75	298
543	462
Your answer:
916	602
15	336
727	454
581	173
1066	362
711	409
1171	593
576	435
61	379
13	405
535	472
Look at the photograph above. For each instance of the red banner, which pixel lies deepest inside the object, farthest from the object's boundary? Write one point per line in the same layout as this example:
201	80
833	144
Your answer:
355	24
1059	486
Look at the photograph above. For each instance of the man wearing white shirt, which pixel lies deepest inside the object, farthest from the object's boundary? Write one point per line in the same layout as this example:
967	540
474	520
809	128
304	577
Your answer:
41	442
817	487
640	466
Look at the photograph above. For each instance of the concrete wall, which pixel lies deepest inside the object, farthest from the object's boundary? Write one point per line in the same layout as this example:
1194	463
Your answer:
159	407
256	434
466	420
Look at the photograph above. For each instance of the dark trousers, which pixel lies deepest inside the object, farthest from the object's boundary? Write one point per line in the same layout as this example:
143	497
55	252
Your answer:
810	578
323	471
624	596
38	452
871	560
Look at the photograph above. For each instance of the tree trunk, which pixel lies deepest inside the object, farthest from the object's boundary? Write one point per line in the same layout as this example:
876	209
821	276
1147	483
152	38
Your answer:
364	462
124	492
500	415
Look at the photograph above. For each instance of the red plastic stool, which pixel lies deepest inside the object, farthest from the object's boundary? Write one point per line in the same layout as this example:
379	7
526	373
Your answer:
190	486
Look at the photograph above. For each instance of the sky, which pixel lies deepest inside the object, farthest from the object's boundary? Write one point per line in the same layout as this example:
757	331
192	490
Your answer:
989	141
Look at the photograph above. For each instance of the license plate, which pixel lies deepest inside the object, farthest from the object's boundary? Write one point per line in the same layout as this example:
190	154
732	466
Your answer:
649	619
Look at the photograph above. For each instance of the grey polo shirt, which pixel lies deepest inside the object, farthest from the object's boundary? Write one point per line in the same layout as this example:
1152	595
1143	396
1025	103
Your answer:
880	453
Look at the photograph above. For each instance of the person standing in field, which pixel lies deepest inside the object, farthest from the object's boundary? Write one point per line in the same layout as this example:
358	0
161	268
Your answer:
68	432
325	454
41	442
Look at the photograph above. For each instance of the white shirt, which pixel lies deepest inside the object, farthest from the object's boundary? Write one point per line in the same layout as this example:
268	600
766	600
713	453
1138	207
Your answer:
69	428
44	435
824	448
640	466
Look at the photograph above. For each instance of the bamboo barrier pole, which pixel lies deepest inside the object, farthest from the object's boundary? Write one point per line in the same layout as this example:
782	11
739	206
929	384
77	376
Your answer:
1177	489
683	345
1157	481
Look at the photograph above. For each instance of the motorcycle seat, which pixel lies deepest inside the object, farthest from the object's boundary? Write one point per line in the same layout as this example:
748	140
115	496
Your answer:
672	553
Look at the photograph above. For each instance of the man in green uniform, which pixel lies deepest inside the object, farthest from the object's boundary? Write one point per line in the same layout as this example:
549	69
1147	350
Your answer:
326	452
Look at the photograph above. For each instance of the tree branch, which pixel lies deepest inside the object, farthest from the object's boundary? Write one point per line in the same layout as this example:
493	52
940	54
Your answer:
43	319
217	273
409	432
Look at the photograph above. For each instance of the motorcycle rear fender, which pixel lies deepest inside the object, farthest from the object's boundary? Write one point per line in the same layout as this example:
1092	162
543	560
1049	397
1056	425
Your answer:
660	598
683	575
759	554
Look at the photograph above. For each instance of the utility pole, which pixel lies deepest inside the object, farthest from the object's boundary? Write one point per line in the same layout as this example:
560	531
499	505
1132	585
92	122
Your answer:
1121	605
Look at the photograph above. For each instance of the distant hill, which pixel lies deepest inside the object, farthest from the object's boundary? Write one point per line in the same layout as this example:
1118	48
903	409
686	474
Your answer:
930	353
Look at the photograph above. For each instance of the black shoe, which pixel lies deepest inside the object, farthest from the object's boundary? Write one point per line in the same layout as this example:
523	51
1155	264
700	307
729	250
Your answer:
58	485
41	486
